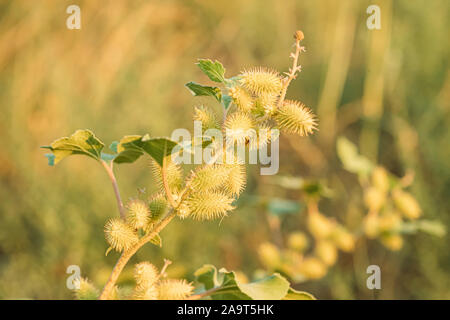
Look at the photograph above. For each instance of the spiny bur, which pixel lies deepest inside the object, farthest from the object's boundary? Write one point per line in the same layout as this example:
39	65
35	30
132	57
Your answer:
120	235
173	289
207	118
261	80
138	214
145	274
209	205
86	291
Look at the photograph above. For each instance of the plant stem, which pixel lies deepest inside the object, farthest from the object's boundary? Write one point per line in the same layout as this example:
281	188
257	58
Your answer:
110	172
292	72
126	255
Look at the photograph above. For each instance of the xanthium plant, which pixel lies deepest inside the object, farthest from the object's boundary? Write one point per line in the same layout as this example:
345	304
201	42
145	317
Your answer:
253	101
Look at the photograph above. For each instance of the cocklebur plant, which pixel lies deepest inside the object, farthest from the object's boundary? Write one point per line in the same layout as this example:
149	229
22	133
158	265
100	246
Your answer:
254	105
391	212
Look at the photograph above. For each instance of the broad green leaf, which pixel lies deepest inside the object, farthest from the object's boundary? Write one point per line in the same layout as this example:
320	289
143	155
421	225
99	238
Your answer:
273	287
278	206
82	142
199	90
351	159
298	295
226	101
130	148
435	228
207	275
214	70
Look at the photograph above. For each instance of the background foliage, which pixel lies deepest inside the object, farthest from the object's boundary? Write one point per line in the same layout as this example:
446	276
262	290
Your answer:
124	72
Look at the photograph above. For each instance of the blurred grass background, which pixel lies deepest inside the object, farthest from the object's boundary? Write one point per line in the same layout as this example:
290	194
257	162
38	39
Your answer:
123	73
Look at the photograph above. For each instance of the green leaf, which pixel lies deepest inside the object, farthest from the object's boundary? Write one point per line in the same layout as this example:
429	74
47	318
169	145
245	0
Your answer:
226	101
278	206
82	142
351	159
435	228
214	70
298	295
207	275
229	287
199	90
156	240
130	148
273	287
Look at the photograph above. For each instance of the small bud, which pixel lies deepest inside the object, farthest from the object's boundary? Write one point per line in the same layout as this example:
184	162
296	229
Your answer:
327	252
86	291
390	221
407	204
298	241
344	240
380	179
393	242
145	274
374	199
319	225
313	268
298	35
269	255
371	226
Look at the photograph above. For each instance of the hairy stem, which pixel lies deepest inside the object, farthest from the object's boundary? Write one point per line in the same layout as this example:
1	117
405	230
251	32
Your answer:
112	177
292	71
126	255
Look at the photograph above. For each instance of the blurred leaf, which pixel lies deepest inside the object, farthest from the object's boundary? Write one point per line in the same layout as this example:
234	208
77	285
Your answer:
214	70
199	90
351	159
435	228
282	206
294	183
298	295
82	142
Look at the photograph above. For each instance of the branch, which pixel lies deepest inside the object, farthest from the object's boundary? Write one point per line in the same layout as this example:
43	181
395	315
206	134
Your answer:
295	67
126	255
110	172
